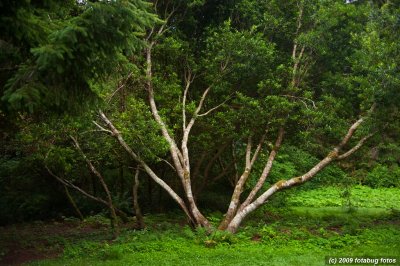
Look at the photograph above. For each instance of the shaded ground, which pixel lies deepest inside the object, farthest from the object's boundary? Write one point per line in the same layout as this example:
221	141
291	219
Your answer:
296	236
276	237
24	243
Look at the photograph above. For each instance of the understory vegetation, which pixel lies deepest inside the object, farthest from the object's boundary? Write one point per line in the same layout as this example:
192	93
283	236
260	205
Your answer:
274	235
199	132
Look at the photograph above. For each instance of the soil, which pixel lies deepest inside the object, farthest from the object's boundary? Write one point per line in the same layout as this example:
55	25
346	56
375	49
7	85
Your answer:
25	243
18	255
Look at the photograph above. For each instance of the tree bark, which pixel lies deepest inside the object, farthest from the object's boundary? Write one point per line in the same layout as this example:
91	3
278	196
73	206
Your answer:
180	158
86	194
147	169
138	212
73	203
250	160
332	156
265	172
296	57
114	219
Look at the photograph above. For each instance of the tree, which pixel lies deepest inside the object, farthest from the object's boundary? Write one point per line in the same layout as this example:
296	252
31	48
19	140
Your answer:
55	58
227	63
56	53
216	99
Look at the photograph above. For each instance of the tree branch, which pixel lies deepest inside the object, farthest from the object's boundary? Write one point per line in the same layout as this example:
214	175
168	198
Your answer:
214	108
176	154
332	156
120	87
349	134
83	192
302	99
102	129
238	188
147	169
355	148
188	81
258	149
100	177
266	170
69	184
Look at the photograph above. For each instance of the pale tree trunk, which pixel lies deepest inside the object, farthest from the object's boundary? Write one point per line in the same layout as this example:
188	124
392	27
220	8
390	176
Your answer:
86	194
234	207
138	212
265	172
180	158
114	132
332	156
114	220
249	162
73	203
297	55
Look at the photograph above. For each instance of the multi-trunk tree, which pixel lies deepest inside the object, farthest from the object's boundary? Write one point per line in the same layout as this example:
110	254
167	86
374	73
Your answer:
214	99
259	88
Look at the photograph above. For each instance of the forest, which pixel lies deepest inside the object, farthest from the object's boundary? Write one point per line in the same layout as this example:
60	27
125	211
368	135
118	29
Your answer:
199	132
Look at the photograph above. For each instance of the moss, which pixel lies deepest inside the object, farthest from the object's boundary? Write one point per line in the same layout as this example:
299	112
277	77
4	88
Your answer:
280	183
298	179
186	175
333	154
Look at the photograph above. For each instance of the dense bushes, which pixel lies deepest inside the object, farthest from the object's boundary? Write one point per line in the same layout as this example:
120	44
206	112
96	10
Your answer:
383	176
28	194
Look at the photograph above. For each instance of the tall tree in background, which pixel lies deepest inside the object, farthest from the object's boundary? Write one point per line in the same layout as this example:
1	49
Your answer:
55	53
55	58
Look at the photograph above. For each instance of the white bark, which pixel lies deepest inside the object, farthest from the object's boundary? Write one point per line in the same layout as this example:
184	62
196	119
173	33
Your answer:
332	156
102	182
249	161
147	169
265	172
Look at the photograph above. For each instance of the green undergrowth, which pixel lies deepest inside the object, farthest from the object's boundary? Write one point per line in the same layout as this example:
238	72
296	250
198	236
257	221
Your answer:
310	225
359	196
271	246
276	236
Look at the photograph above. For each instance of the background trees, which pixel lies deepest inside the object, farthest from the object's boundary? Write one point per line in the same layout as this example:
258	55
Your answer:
202	104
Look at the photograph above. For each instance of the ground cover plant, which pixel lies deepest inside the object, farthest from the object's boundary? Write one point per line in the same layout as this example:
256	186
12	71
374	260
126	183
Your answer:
287	240
273	236
360	197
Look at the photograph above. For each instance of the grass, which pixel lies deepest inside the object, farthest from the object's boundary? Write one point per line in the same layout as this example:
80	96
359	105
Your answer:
300	235
277	246
360	196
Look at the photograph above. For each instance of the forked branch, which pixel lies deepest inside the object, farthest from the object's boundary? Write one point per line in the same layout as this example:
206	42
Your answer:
332	156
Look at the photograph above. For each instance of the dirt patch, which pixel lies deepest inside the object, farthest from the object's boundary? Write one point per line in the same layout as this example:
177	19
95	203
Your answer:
24	243
256	238
337	229
18	255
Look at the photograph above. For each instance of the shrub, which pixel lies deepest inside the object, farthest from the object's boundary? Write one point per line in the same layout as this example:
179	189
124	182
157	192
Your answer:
383	176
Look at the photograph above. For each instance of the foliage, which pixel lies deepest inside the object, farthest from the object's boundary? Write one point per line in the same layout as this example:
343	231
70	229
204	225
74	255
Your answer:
361	196
20	177
65	48
382	176
291	238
